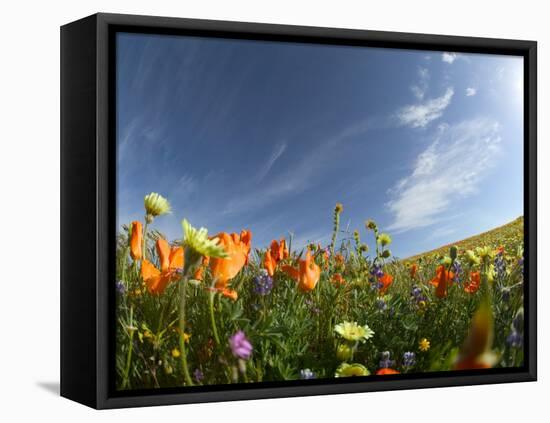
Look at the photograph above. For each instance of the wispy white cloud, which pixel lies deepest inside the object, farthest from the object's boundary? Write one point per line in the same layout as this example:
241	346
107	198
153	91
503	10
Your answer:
449	57
420	88
277	152
450	168
297	176
470	91
421	114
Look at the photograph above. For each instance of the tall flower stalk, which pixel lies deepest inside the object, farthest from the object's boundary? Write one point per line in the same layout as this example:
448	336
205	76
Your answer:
338	209
183	297
132	330
196	246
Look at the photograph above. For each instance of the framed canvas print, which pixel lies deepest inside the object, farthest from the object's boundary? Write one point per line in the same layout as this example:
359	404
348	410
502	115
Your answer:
254	211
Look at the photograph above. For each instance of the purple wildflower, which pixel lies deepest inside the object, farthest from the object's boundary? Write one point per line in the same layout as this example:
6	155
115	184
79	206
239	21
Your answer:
416	292
311	306
409	359
307	374
515	339
457	270
120	287
417	295
240	345
381	304
263	283
376	271
198	375
500	266
385	361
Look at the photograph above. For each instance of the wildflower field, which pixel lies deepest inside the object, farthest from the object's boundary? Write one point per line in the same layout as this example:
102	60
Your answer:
212	309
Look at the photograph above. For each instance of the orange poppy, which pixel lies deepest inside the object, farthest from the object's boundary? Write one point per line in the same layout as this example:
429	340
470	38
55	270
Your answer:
230	293
269	263
279	250
475	281
442	281
325	259
171	261
225	269
387	371
338	279
199	273
276	252
307	275
340	260
414	269
386	280
136	241
246	238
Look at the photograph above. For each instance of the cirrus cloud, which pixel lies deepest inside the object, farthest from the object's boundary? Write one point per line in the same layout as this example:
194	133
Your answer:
421	114
451	167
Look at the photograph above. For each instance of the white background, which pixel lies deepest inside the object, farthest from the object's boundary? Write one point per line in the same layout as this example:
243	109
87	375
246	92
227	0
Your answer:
29	208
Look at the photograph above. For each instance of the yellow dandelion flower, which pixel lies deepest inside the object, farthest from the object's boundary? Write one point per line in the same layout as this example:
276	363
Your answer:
424	345
176	353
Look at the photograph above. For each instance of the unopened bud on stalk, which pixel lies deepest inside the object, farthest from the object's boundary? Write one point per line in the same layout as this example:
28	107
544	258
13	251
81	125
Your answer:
454	252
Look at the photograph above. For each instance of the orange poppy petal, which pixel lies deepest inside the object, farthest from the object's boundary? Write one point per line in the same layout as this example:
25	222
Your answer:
176	258
387	371
230	293
148	270
224	269
269	263
309	273
163	250
157	285
291	271
136	241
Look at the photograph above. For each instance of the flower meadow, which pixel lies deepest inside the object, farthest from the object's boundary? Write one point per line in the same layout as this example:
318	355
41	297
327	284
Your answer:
213	309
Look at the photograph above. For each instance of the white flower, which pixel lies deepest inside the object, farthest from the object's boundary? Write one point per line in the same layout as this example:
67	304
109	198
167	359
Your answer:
156	204
198	241
351	331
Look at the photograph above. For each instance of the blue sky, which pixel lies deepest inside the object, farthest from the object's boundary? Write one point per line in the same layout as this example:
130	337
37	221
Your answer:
269	136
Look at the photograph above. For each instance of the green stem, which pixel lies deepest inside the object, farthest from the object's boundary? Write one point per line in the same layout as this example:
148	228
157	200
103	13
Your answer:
213	318
125	381
144	243
163	311
183	288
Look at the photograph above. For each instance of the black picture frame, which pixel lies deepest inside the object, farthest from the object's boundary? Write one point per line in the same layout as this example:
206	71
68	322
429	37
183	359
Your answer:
88	212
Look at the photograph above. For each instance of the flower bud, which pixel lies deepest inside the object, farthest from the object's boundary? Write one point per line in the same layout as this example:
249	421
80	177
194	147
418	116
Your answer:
472	258
344	352
371	224
386	254
454	252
